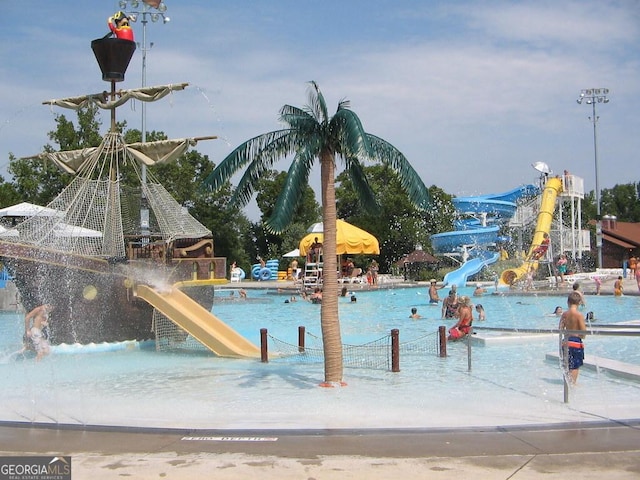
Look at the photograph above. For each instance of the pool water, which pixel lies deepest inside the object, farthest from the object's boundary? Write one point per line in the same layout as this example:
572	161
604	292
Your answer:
510	383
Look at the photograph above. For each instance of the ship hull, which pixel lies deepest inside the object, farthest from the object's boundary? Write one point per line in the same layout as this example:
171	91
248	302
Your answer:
93	299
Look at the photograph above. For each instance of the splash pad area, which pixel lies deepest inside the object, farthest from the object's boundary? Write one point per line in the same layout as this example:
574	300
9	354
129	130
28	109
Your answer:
510	383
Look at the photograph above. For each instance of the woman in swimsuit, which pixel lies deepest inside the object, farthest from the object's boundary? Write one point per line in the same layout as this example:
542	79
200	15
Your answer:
450	305
465	316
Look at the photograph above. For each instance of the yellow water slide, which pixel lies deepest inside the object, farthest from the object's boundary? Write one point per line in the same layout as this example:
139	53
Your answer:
551	191
205	327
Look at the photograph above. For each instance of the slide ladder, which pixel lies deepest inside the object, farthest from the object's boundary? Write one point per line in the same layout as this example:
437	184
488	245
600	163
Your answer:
201	324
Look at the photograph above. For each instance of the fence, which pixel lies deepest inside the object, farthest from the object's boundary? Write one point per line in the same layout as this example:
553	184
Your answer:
383	353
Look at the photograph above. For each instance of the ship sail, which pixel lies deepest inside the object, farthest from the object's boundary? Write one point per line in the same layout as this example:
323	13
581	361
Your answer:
97	200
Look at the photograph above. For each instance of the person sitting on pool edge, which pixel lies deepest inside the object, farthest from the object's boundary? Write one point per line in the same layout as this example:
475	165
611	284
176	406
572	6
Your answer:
465	319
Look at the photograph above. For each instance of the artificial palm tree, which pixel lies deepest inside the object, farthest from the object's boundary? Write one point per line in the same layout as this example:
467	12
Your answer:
310	135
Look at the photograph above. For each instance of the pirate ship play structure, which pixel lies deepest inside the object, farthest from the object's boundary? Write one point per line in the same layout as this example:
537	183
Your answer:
104	255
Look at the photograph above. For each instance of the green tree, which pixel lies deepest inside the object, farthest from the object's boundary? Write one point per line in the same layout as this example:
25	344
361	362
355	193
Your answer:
307	212
310	134
8	193
622	201
39	182
399	226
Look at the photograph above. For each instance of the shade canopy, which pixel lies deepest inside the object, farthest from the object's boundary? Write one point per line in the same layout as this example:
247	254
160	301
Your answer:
418	256
26	209
349	238
66	230
293	253
6	232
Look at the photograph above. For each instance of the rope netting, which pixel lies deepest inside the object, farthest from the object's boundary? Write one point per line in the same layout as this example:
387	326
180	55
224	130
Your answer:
96	212
171	337
374	355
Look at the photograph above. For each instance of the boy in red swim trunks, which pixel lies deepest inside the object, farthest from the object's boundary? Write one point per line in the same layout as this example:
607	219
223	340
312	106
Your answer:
572	348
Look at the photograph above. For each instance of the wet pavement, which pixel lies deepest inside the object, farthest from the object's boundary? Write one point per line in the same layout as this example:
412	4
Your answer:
595	450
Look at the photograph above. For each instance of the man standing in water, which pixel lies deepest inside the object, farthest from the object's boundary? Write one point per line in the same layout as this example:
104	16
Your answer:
34	324
572	347
433	291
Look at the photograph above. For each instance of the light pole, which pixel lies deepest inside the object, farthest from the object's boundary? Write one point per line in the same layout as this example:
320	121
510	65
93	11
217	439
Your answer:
591	96
154	10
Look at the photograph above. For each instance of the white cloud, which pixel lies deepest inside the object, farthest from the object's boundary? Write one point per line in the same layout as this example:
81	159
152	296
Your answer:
471	92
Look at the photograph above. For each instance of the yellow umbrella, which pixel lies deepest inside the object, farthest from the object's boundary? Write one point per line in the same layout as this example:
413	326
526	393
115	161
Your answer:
350	240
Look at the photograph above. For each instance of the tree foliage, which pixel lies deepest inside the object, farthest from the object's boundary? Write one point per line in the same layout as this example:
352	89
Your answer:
621	201
398	225
307	212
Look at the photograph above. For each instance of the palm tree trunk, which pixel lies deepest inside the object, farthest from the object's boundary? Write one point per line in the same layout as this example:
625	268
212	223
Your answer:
330	322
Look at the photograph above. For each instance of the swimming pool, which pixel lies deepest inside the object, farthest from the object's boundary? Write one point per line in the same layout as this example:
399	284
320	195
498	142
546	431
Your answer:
509	383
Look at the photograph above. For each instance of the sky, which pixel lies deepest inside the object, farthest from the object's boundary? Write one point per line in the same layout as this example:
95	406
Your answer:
472	92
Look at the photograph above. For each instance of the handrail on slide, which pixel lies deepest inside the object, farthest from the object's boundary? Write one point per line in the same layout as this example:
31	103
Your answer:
205	327
551	191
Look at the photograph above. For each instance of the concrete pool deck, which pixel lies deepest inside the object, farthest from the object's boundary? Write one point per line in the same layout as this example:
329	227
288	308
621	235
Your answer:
592	451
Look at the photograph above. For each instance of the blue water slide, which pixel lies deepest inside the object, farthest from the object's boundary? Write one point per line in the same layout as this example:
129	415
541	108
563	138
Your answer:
514	195
460	276
448	242
495	209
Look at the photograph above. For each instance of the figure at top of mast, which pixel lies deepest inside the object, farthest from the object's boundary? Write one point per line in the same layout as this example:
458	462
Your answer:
119	26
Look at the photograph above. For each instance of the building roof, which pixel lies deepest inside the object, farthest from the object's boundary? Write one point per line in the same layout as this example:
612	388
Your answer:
418	256
625	234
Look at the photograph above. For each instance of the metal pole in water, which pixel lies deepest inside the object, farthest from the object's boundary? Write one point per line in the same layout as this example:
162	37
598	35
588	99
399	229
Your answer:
469	348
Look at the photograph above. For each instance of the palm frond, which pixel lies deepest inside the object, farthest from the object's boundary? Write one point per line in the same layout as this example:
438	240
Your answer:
298	120
344	104
316	103
353	141
239	157
361	186
293	189
262	160
411	182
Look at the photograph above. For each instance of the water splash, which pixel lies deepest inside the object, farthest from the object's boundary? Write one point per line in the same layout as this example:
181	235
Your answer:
218	121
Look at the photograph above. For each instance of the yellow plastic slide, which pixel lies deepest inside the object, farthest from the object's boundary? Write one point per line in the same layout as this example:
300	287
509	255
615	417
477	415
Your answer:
551	191
188	314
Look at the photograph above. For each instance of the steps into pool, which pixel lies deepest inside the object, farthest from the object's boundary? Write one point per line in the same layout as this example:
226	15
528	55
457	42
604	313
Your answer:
615	367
